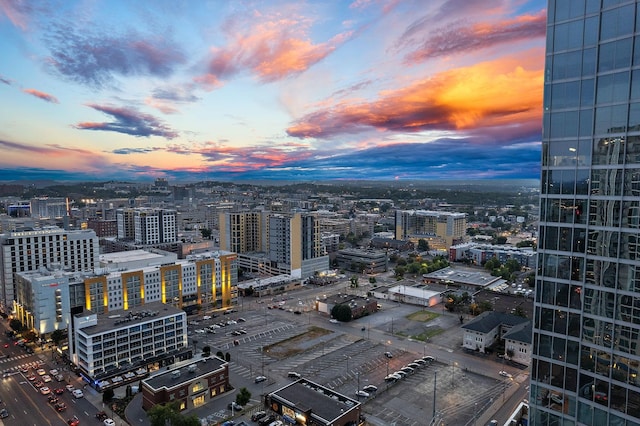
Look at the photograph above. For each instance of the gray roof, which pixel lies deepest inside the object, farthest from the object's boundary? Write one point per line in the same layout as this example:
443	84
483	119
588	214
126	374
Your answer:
121	318
323	402
188	373
520	333
489	320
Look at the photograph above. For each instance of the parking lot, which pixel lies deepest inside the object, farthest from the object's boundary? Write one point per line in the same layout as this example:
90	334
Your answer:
349	356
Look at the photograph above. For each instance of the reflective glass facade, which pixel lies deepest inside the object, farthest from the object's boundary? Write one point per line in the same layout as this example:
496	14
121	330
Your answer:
586	333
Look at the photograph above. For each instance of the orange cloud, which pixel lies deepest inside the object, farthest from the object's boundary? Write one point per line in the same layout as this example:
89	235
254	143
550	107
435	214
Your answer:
484	95
44	96
273	48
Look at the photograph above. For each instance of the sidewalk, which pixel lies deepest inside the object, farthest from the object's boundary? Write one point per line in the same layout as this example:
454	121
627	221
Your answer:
95	398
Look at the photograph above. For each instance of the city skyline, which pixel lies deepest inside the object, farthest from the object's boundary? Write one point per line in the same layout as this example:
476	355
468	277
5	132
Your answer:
274	90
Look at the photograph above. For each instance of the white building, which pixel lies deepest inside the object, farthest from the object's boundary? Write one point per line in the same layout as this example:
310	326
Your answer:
125	341
489	327
147	225
52	247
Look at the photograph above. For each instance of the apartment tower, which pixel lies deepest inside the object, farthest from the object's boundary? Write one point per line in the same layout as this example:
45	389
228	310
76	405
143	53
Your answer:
586	331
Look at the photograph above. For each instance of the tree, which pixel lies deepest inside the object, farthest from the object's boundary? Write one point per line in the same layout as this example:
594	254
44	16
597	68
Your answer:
206	351
243	397
169	415
342	312
423	245
206	233
58	336
16	325
520	312
512	265
492	264
400	271
107	395
354	281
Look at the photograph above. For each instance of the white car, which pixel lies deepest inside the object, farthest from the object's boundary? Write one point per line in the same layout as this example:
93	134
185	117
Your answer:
46	378
206	317
333	321
200	331
362	394
370	388
53	372
77	393
505	374
109	422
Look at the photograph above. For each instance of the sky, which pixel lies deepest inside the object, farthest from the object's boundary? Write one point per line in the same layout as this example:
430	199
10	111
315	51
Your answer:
194	90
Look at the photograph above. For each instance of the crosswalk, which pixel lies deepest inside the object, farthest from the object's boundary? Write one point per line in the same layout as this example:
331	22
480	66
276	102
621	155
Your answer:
14	369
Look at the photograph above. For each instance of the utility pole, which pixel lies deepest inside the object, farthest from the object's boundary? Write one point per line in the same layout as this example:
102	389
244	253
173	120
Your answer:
435	379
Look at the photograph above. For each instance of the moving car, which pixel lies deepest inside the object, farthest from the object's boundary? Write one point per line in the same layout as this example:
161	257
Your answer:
388	354
4	413
505	374
60	407
260	379
362	394
77	393
45	390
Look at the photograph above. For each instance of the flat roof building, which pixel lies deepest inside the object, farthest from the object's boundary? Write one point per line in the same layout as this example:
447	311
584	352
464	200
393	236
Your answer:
191	384
307	403
119	342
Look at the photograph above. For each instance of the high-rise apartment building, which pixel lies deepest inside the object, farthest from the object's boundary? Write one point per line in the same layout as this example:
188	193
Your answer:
288	243
440	229
586	332
30	249
147	226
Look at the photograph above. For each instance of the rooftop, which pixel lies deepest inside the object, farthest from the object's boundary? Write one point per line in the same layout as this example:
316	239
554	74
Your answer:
323	402
120	318
462	276
183	373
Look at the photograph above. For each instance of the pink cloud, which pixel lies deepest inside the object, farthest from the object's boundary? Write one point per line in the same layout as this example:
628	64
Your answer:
464	37
227	158
18	12
272	47
42	95
497	93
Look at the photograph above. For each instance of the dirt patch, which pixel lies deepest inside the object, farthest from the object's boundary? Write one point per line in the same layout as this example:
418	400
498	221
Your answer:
296	344
423	316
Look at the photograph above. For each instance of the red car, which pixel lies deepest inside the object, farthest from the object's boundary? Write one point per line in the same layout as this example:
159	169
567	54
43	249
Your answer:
6	345
73	422
58	391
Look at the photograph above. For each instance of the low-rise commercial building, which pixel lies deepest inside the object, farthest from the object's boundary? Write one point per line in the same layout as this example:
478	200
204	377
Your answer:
191	384
307	403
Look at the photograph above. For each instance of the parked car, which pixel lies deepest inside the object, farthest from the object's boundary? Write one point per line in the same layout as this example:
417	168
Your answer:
293	375
60	407
258	415
370	388
235	406
260	379
388	354
4	413
362	394
266	420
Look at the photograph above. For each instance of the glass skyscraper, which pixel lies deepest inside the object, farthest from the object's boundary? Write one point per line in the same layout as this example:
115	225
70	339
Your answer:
587	309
